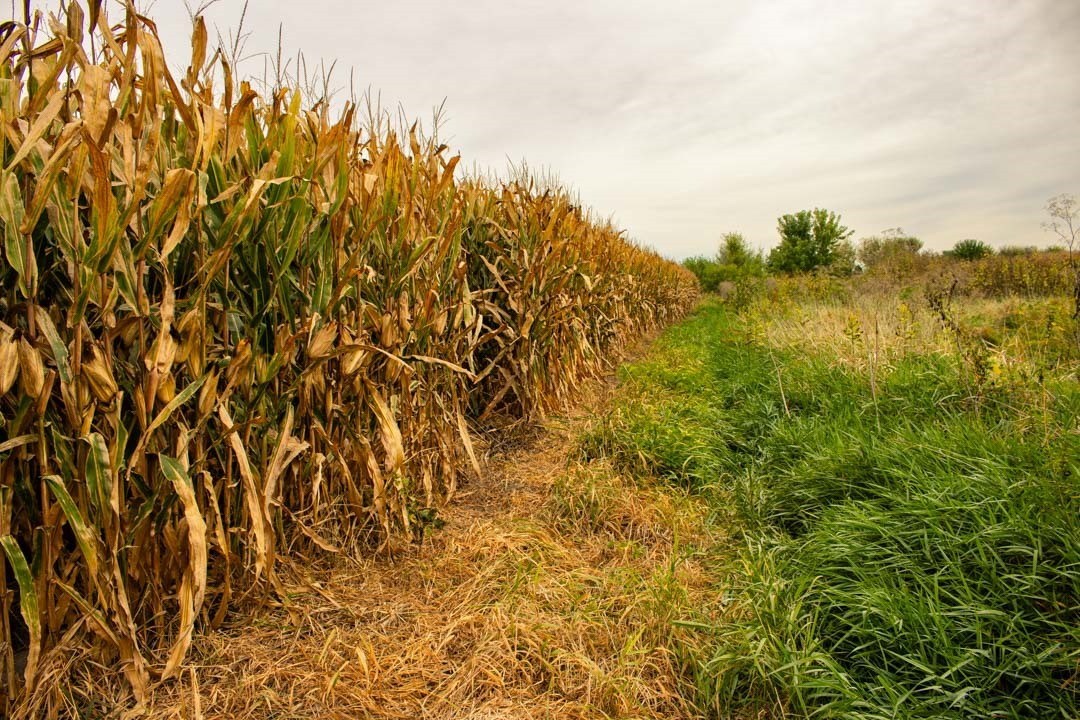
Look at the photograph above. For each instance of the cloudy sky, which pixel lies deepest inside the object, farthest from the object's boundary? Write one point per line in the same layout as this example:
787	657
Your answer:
686	119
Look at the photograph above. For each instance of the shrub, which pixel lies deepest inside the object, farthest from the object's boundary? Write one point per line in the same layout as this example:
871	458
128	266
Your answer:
843	260
734	261
1015	250
706	270
892	253
970	249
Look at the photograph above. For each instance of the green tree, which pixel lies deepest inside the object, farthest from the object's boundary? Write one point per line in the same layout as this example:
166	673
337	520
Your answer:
736	258
809	240
734	250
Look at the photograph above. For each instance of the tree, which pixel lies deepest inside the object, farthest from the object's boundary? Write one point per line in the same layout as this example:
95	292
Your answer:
734	250
737	259
809	239
1064	211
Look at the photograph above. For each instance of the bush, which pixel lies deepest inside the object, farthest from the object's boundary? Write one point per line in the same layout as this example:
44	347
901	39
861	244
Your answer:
706	270
734	262
843	260
892	252
970	249
1014	250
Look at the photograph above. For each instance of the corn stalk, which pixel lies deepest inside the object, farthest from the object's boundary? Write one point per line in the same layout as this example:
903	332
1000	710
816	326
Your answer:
234	326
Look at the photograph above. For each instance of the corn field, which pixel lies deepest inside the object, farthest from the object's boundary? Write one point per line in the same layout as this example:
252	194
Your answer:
236	326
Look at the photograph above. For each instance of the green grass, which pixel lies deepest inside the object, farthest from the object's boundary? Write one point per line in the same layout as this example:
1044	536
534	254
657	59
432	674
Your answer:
907	552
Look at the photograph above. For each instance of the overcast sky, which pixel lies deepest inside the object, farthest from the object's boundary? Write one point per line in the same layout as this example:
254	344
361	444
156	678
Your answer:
685	120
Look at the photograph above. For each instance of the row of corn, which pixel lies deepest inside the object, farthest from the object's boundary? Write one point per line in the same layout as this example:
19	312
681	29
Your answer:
236	326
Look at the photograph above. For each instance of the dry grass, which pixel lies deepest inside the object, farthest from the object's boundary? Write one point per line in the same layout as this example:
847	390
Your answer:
520	607
875	330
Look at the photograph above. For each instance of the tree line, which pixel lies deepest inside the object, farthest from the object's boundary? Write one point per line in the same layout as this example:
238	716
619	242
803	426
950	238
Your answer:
817	241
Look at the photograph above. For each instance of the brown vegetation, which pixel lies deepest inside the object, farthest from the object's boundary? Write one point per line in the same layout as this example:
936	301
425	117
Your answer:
550	592
246	329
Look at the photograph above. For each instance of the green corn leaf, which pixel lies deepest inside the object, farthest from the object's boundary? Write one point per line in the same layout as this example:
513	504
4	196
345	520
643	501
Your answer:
84	536
59	349
28	601
98	472
17	246
145	510
181	397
